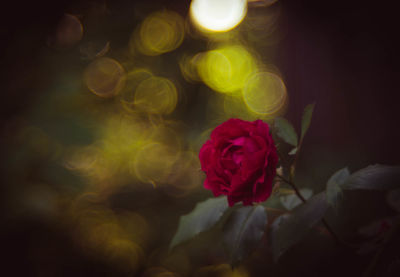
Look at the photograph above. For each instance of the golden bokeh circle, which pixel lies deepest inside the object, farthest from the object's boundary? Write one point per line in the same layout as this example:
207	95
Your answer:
159	33
105	77
156	95
264	93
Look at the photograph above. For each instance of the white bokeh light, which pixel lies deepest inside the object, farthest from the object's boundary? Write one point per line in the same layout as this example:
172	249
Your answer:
218	15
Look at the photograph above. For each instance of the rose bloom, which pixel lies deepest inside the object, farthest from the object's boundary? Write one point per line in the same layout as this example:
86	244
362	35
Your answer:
240	161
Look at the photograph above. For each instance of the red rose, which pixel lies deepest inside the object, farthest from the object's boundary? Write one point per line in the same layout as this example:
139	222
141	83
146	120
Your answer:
240	161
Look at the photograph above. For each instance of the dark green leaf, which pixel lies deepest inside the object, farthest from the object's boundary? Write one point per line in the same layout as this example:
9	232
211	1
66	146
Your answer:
273	202
393	199
291	228
334	186
291	201
243	231
306	119
377	227
286	131
204	216
293	151
375	177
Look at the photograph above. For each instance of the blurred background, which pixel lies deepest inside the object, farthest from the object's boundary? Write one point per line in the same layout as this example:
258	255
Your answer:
106	104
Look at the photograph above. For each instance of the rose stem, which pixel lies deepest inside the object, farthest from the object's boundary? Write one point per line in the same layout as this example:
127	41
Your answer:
327	226
292	171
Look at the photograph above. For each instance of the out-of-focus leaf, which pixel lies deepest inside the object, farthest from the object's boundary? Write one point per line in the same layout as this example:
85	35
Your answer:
203	217
369	246
243	231
273	202
291	228
291	201
377	227
293	151
286	131
306	119
375	177
393	199
375	232
333	186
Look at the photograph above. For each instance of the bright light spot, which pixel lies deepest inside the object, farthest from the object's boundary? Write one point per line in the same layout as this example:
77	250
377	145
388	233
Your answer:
218	15
156	95
105	77
264	93
226	69
159	33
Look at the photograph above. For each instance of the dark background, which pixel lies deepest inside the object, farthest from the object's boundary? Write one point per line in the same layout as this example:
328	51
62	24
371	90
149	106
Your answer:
341	55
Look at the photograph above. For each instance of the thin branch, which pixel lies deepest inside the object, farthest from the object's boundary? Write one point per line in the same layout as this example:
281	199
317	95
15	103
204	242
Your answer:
324	222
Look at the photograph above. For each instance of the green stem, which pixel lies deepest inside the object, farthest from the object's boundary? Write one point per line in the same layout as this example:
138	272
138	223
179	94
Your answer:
292	170
293	166
324	222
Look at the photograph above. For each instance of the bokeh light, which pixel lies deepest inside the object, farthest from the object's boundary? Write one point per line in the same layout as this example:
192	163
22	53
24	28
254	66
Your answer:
94	49
156	95
159	33
133	79
227	68
105	77
188	67
217	15
101	233
184	176
153	163
68	33
264	93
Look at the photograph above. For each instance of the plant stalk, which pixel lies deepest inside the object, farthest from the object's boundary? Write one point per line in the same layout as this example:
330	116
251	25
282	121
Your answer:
324	222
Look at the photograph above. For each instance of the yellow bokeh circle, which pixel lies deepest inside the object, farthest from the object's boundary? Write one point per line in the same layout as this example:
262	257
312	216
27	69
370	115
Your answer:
226	69
160	32
265	93
105	77
156	95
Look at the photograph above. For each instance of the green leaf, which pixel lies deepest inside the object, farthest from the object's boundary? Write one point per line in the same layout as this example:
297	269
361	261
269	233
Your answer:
291	201
334	186
289	229
393	199
203	217
273	202
286	131
293	151
243	231
306	119
375	177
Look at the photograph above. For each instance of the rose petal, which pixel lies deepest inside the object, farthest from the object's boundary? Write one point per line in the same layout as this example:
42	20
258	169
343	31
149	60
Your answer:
205	155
